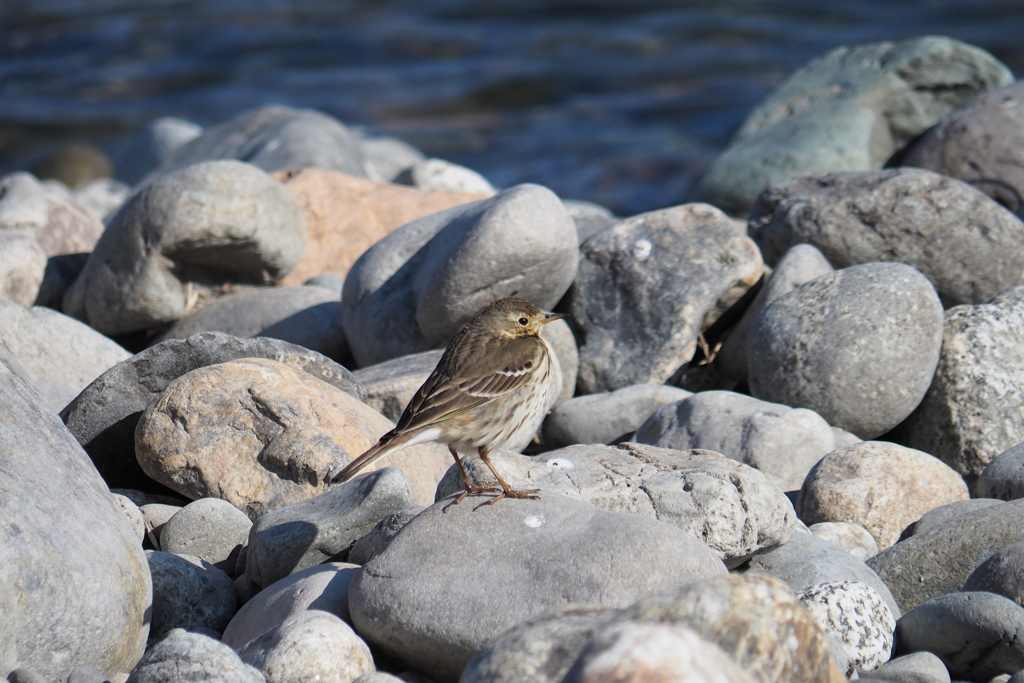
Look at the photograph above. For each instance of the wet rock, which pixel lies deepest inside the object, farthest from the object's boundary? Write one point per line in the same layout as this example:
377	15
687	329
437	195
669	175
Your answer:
880	485
104	416
211	529
261	435
646	287
848	110
854	614
192	656
414	289
859	346
728	505
962	241
189	593
187	234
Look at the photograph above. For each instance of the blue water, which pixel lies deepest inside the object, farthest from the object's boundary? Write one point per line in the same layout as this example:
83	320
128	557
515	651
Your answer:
616	101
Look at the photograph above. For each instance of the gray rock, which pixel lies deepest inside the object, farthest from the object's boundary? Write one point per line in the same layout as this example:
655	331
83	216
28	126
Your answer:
783	443
974	408
590	218
438	175
133	514
155	516
273	138
185	235
605	417
47	213
1003	478
54	349
323	528
22	267
848	110
1002	573
414	289
880	485
806	560
153	145
850	536
800	264
977	635
74	588
560	338
859	346
942	514
919	667
309	646
22	675
938	560
87	674
525	557
390	385
384	157
183	656
104	416
306	316
901	215
647	286
980	144
370	545
189	593
103	196
322	587
381	677
211	529
856	615
728	505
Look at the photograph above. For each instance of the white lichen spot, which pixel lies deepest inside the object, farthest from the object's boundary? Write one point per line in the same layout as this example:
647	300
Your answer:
535	521
563	463
642	249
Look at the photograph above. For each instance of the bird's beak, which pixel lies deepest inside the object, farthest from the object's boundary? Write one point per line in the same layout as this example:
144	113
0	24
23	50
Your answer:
551	317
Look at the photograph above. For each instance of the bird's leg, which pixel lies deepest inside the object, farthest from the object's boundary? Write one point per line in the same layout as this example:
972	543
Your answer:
470	489
506	490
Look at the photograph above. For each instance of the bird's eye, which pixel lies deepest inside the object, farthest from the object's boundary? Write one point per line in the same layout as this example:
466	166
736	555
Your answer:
522	321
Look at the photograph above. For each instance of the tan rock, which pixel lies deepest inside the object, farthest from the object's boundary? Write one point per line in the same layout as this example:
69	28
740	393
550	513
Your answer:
346	215
882	486
261	435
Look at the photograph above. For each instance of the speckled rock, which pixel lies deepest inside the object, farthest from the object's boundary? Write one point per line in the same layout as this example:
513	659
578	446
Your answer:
974	408
184	235
261	435
104	417
647	286
323	587
211	529
183	656
849	109
854	614
850	536
880	485
309	646
607	416
865	388
726	504
189	593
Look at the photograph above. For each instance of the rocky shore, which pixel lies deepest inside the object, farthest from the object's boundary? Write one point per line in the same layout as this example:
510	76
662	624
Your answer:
788	443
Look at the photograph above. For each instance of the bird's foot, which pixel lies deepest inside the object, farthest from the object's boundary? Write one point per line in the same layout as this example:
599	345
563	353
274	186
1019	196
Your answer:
511	493
471	491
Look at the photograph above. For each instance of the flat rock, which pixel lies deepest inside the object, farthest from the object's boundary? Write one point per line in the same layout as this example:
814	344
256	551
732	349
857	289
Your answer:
806	560
859	346
183	656
726	504
974	408
55	350
186	234
1003	478
938	560
414	289
211	529
261	434
74	586
309	646
880	485
1002	573
848	110
323	528
980	144
854	614
646	288
189	593
607	416
783	443
104	416
346	215
976	635
322	587
405	602
305	316
850	536
961	240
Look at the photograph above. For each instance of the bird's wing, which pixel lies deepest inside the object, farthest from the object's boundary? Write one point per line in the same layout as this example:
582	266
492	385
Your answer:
481	376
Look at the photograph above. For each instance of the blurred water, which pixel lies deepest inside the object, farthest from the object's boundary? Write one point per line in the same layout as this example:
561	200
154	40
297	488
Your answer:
620	102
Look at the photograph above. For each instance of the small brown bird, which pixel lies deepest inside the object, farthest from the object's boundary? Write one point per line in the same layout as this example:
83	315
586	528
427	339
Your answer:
489	390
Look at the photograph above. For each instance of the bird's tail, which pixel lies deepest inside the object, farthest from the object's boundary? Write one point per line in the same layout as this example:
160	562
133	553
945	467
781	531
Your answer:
387	444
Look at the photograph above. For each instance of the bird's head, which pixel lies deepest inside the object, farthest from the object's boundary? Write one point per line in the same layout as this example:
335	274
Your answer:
514	317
